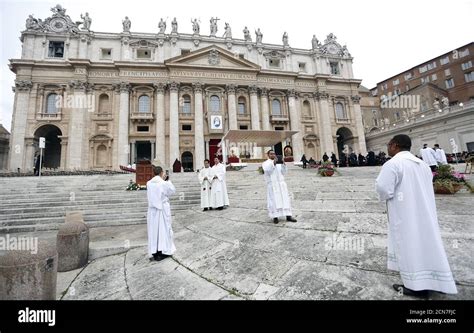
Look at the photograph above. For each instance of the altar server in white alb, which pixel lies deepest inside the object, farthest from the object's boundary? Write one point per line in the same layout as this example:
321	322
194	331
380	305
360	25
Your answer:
219	197
205	182
160	233
428	155
415	247
278	200
440	155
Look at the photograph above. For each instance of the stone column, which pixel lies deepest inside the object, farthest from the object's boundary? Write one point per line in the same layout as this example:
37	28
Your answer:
198	126
19	121
265	110
62	163
152	153
123	147
326	135
77	151
29	153
160	128
133	152
296	139
174	123
232	107
255	117
359	124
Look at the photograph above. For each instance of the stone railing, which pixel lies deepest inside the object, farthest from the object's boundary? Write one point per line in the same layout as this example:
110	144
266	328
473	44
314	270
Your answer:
49	116
421	117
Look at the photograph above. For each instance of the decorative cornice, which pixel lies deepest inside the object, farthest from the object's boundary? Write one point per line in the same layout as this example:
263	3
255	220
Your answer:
321	95
198	87
291	93
264	92
253	89
231	88
355	99
122	87
173	86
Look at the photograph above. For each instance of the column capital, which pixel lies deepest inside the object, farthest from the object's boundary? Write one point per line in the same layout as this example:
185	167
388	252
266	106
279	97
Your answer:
160	87
173	86
253	89
122	87
80	85
355	99
264	92
231	88
198	87
22	85
291	93
319	95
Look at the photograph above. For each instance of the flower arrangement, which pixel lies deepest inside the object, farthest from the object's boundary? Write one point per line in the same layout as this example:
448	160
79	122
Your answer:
135	187
448	181
326	169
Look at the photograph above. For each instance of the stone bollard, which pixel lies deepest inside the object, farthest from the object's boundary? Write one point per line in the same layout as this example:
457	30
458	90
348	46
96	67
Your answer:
73	243
29	276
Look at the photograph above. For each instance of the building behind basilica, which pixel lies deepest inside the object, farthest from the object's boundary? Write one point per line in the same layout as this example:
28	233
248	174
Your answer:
103	100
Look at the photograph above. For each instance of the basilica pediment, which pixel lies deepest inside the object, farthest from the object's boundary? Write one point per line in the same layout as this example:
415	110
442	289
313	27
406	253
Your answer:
212	57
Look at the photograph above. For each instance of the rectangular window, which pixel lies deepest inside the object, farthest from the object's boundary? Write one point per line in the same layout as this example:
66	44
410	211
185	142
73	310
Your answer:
432	65
469	77
186	127
422	69
425	79
466	65
278	128
274	63
444	61
385	86
56	50
243	127
447	72
375	92
408	76
302	66
143	54
434	77
241	56
397	115
334	68
143	128
185	51
106	53
407	87
395	82
464	53
449	83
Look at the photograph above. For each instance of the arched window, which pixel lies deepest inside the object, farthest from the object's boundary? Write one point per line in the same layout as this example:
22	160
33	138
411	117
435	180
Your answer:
144	103
242	108
306	109
340	113
186	104
104	104
276	107
51	103
215	103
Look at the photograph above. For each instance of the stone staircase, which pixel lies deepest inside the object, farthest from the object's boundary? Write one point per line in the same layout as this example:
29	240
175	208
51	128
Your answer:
31	204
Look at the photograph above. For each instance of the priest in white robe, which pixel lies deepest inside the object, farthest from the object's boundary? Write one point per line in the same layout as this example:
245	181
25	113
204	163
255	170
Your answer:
278	200
219	197
160	232
429	156
205	182
415	247
440	155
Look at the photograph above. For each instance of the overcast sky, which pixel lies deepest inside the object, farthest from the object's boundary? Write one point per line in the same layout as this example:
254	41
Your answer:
384	37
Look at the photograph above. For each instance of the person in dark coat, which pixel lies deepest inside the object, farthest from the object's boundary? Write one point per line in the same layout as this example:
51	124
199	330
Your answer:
333	159
304	160
361	159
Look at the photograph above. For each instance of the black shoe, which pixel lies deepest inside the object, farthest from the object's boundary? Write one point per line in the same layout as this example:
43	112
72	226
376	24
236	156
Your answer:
164	256
275	220
204	209
220	208
409	292
290	219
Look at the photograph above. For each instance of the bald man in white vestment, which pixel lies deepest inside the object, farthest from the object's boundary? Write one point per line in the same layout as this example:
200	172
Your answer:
415	247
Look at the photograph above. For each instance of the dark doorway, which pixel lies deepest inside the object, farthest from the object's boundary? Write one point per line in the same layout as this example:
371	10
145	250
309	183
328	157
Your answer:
278	149
344	137
52	151
187	161
214	150
143	151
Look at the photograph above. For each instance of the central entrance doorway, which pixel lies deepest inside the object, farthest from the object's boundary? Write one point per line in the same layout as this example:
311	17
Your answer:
143	150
